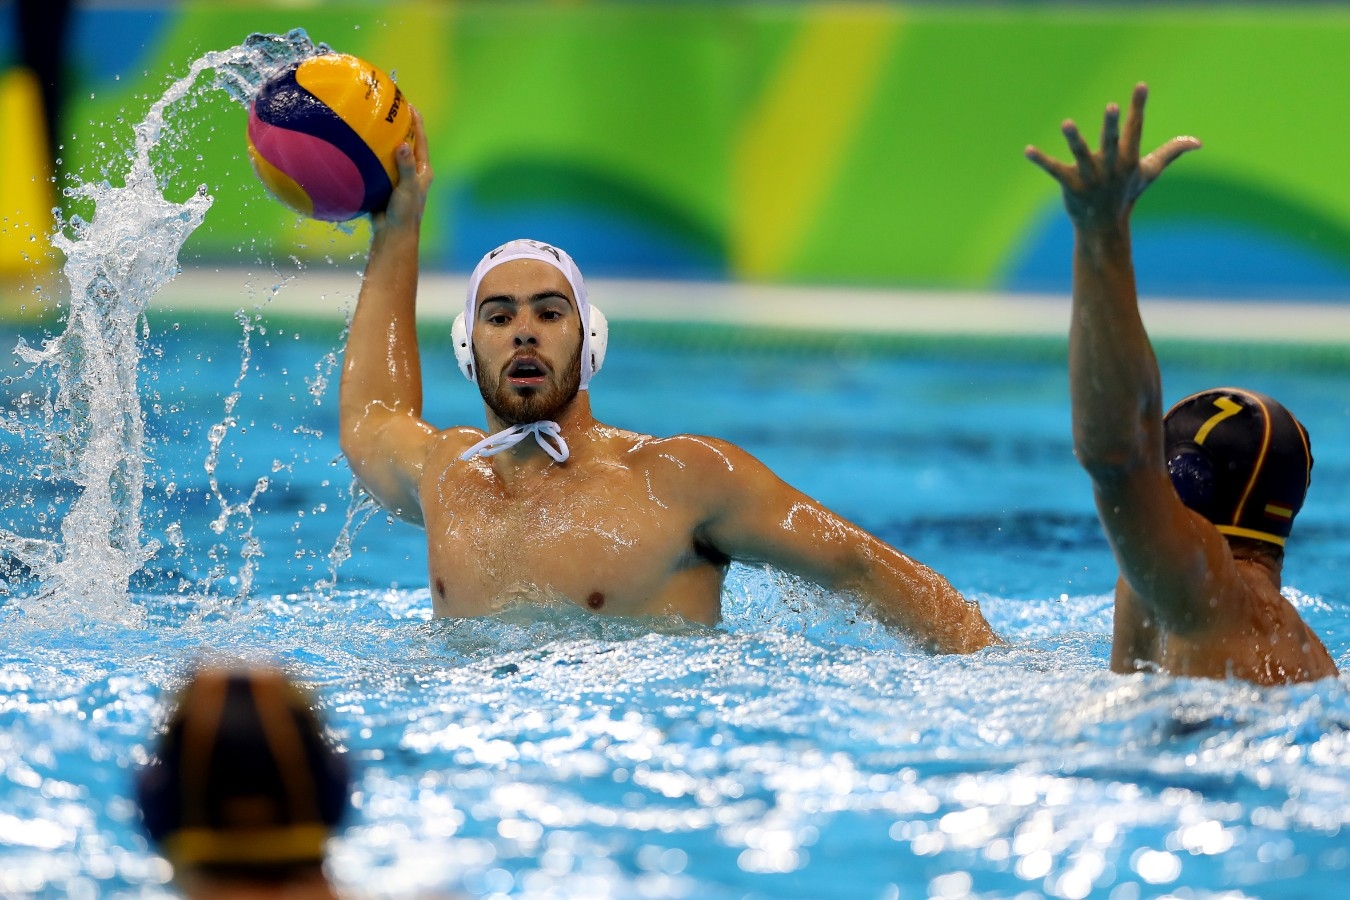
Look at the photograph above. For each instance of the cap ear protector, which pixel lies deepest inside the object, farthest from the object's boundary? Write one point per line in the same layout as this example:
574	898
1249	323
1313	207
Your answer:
1192	473
459	335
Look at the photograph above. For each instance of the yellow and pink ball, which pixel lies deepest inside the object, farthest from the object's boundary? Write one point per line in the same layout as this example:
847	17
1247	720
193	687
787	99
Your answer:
322	135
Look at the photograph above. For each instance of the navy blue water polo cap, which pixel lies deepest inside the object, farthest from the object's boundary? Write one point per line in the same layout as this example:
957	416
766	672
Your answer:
242	777
1241	460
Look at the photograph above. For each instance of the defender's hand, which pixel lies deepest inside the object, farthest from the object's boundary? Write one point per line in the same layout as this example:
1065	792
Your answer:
1100	188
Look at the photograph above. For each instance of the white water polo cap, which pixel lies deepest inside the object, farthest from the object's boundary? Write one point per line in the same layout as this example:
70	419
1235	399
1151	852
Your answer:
594	338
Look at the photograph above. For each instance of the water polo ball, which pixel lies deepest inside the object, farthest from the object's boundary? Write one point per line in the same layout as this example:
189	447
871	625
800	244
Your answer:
322	136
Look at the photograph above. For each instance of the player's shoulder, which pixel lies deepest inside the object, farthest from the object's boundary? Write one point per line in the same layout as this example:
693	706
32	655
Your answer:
691	450
711	463
1247	600
453	441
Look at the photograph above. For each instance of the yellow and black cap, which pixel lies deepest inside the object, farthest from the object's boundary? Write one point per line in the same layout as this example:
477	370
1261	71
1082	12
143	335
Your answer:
1241	460
242	777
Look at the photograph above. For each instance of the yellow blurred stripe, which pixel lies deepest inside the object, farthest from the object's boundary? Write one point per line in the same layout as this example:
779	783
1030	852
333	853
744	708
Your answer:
26	192
792	145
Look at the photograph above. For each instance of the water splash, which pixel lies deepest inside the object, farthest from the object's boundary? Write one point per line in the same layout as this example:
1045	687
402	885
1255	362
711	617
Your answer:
94	429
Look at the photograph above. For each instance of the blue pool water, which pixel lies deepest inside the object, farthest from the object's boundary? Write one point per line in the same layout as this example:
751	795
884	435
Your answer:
797	750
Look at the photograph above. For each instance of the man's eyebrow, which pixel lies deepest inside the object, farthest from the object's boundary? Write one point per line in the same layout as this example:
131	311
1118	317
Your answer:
512	300
496	298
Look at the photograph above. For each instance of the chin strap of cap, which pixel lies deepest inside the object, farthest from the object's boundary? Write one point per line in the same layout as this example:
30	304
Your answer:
546	434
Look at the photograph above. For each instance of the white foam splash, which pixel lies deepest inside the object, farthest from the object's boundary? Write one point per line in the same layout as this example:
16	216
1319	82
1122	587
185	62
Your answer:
94	427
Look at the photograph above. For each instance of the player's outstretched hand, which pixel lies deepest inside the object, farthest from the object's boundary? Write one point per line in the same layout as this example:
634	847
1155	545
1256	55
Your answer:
1100	188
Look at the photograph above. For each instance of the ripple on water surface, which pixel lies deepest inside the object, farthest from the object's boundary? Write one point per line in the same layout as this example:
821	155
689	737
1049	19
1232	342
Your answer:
550	752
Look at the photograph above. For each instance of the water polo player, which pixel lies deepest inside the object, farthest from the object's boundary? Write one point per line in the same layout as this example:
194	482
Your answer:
243	791
551	504
1196	507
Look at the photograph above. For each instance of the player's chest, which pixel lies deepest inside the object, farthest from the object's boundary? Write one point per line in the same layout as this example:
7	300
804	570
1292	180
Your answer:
606	520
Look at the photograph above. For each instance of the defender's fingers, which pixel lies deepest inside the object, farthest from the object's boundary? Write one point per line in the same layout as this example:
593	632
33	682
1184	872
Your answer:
1161	158
1110	135
1184	143
1053	167
1078	148
1134	122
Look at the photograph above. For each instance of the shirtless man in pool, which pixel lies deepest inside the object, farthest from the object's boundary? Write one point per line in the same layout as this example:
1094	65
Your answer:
1196	504
556	504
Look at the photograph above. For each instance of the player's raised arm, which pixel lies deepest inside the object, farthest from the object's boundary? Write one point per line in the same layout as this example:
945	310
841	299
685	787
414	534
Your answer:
382	433
1166	552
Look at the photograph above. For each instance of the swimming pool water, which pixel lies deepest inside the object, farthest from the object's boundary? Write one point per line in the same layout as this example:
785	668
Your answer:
797	750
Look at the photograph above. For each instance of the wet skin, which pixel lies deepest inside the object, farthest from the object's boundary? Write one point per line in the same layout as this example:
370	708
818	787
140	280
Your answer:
1188	600
629	524
610	529
1246	628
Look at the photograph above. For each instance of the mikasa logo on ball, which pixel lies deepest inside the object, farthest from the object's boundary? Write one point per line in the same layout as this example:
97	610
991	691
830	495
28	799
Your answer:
398	101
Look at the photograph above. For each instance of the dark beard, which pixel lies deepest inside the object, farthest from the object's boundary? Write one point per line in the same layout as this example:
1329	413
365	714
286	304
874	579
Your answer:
535	405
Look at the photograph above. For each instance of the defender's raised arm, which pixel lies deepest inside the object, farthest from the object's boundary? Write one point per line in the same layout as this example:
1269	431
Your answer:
1185	498
1164	551
1113	376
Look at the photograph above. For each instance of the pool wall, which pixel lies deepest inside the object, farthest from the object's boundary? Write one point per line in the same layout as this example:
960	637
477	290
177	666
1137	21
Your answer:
805	143
843	322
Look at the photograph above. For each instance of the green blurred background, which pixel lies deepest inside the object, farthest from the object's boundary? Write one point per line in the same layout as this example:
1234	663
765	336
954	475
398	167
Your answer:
788	143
